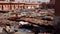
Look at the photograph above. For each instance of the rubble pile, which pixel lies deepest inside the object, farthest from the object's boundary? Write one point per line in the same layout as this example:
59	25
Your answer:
26	20
36	16
33	17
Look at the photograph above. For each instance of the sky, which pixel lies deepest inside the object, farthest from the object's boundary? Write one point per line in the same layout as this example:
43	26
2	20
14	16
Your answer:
33	0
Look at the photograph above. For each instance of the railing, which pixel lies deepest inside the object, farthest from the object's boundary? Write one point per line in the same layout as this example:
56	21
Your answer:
12	6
